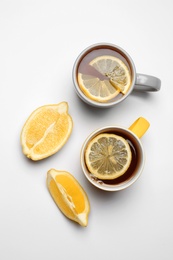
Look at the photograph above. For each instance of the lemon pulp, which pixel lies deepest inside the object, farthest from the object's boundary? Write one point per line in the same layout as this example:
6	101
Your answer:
117	79
69	196
46	131
108	156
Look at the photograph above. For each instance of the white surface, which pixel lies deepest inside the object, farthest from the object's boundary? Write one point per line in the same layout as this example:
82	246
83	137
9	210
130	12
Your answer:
39	42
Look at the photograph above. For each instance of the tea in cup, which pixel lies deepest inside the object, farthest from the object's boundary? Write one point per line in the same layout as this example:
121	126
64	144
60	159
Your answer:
104	75
112	157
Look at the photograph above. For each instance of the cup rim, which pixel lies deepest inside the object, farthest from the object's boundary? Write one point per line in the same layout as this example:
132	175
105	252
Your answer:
120	186
75	68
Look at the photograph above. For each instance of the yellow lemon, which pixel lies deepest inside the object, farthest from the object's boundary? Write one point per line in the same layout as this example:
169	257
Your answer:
116	71
97	89
69	196
108	156
46	130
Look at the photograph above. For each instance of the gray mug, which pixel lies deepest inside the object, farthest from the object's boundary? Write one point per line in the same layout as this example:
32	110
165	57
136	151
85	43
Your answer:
139	82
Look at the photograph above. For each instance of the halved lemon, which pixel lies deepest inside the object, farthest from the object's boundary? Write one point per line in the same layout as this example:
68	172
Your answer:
69	196
97	89
115	69
46	131
108	156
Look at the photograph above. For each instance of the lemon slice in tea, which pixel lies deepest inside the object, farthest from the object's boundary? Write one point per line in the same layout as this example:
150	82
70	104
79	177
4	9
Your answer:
108	156
97	89
115	69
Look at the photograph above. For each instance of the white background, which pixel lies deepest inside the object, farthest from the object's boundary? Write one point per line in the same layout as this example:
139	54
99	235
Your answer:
39	42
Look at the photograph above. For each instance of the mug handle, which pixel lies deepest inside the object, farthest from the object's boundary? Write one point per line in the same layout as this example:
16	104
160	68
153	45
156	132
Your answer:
147	83
139	127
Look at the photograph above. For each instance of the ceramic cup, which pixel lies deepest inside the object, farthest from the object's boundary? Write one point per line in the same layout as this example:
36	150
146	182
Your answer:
140	82
132	135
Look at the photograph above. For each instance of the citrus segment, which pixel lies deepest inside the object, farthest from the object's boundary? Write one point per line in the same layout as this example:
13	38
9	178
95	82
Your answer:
108	156
69	196
96	89
116	71
46	130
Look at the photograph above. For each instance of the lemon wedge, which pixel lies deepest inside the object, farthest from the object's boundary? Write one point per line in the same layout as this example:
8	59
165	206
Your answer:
69	196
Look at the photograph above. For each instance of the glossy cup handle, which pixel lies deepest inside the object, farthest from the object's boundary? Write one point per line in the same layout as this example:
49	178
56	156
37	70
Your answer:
139	127
147	83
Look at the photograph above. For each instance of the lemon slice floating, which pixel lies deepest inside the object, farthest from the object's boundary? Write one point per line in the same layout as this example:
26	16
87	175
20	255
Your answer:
46	130
108	156
115	69
96	89
69	196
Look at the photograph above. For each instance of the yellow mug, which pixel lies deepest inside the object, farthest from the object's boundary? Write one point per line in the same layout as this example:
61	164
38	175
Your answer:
132	135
